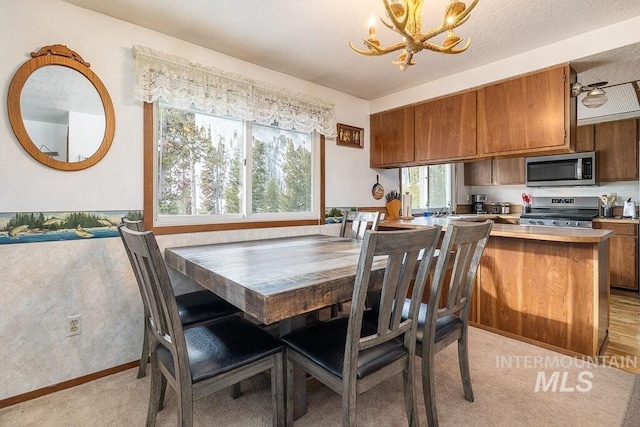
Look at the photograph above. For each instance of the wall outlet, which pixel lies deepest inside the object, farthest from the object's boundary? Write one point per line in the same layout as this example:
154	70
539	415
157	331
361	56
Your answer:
74	325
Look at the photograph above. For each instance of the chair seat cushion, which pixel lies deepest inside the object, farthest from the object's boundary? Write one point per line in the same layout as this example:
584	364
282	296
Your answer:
324	343
200	306
221	346
444	326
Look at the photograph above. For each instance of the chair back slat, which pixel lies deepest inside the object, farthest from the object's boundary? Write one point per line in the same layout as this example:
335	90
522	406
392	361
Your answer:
465	242
402	250
355	224
137	226
164	322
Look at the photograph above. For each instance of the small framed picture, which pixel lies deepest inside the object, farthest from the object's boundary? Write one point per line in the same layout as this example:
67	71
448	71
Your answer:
350	136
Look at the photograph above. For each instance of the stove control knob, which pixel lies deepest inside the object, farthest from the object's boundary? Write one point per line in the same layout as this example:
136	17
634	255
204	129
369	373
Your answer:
554	222
540	222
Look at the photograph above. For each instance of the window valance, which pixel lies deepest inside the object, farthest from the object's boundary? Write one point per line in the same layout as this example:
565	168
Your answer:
183	84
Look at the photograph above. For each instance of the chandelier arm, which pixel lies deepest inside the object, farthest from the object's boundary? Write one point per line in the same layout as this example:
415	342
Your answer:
441	29
447	49
407	62
402	32
398	24
377	50
457	23
462	17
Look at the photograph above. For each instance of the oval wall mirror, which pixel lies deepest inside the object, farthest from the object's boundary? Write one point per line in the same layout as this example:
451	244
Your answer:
60	111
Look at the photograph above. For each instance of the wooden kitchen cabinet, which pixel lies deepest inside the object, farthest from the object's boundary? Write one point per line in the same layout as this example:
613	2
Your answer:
445	128
495	172
623	254
478	173
392	138
508	171
616	146
531	114
585	138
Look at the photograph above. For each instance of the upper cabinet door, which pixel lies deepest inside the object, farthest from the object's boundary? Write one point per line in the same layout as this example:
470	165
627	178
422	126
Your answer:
617	150
585	138
445	129
392	138
508	171
528	114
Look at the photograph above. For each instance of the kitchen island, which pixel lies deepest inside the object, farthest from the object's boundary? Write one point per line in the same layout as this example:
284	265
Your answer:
548	286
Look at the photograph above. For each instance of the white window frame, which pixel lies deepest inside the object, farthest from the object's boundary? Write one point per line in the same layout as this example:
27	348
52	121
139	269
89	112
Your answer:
451	189
246	215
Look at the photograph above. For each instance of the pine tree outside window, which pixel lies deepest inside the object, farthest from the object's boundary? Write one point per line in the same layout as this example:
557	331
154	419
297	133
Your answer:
212	169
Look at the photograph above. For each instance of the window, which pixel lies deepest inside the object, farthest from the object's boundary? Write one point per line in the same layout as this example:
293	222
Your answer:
210	169
431	187
226	152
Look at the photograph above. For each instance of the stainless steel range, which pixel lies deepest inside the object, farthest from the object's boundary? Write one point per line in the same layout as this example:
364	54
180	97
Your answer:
562	212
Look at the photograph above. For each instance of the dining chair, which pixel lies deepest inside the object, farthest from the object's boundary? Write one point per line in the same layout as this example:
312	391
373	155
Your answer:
351	356
444	319
193	307
203	359
354	226
355	223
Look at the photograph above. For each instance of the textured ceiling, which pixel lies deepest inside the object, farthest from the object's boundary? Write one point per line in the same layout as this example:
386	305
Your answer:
309	39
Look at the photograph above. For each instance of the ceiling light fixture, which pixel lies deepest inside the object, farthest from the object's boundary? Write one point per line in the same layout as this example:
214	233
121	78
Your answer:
405	16
596	96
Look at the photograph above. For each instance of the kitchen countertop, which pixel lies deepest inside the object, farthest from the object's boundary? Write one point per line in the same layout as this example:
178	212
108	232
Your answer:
617	219
556	234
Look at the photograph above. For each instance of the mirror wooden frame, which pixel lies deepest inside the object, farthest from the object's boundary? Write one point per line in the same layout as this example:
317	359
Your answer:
58	55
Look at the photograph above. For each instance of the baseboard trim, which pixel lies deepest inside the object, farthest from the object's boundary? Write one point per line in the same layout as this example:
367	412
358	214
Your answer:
66	384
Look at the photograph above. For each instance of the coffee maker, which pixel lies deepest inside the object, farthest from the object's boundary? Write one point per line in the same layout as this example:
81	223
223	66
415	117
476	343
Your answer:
478	203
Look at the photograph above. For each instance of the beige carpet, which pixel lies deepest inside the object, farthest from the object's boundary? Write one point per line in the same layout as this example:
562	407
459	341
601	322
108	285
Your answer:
505	396
632	415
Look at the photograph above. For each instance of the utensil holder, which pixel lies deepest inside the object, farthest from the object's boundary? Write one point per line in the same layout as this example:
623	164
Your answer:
526	208
393	209
607	211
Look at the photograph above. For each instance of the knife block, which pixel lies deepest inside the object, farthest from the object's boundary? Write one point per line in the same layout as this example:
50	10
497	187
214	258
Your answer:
393	209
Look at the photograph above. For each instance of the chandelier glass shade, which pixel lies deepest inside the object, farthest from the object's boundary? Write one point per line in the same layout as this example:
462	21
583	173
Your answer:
405	18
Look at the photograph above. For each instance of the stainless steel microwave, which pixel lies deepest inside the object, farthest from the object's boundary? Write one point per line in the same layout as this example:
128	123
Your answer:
563	170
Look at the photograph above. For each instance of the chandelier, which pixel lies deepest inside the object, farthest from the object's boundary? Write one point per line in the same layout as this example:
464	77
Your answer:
405	16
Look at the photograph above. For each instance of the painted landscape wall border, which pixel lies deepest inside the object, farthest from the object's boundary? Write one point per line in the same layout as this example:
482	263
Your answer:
36	227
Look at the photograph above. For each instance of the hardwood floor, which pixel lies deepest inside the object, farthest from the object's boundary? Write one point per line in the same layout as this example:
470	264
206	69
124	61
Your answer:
623	350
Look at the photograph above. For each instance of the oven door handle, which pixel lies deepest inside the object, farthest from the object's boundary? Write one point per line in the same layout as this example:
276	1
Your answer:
579	169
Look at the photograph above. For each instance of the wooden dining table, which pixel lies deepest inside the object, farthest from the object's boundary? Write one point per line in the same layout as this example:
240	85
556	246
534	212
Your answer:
278	280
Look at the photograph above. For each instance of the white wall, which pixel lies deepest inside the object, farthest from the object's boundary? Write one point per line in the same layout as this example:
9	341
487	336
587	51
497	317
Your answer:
86	132
513	193
52	135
